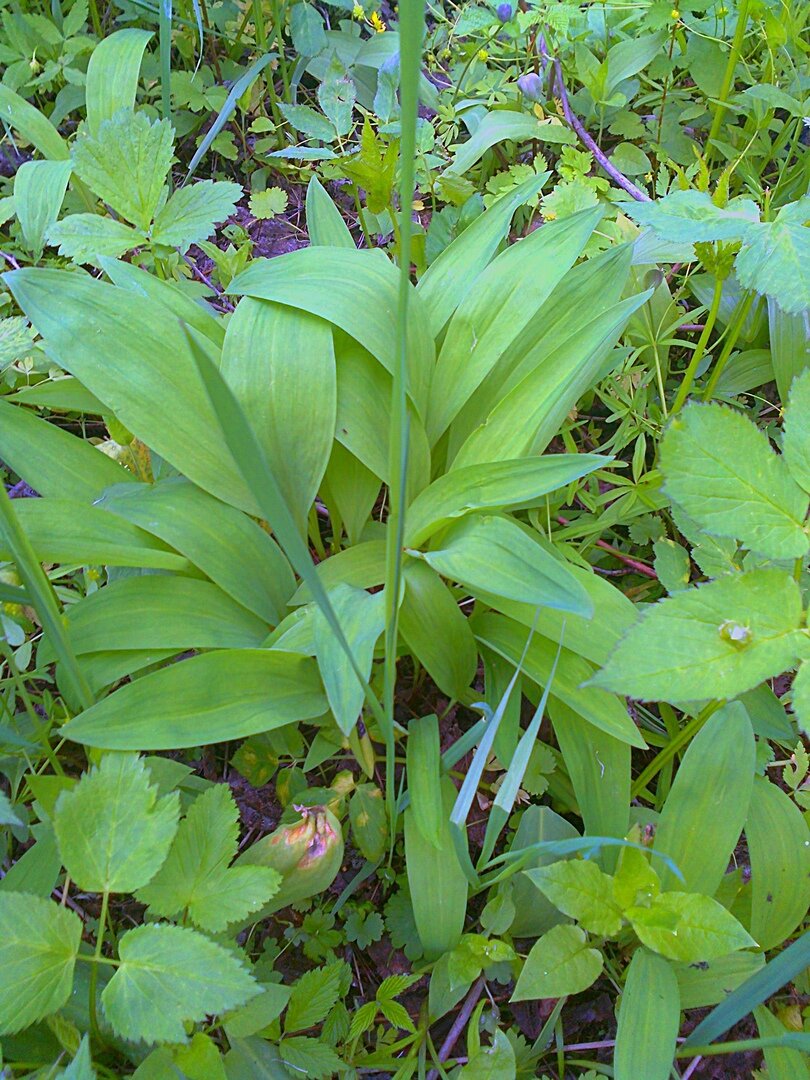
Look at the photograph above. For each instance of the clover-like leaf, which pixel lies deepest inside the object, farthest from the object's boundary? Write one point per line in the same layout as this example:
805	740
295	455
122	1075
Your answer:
112	830
196	876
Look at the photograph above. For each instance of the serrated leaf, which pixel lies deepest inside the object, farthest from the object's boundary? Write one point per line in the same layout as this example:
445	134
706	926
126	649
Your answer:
112	830
773	260
336	96
169	975
713	641
309	122
192	212
39	942
722	471
394	985
312	997
264	205
196	877
560	963
7	815
691	216
578	888
309	1057
83	237
362	1020
127	163
396	1014
16	340
364	929
688	927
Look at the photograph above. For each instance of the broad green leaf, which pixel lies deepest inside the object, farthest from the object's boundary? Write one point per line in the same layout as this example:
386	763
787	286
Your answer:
627	58
126	164
33	125
436	632
437	882
714	641
307	29
497	555
304	1053
560	963
790	348
309	122
722	471
496	1062
713	980
604	711
705	810
196	879
355	290
801	697
208	532
81	1067
258	1013
325	223
112	75
797	431
424	777
648	1021
635	882
85	237
534	914
39	943
362	618
289	354
498	126
361	565
369	821
166	977
688	927
578	888
113	831
198	316
783	1063
449	278
773	260
52	461
758	988
157	611
37	869
779	849
69	531
494	312
192	212
692	216
193	703
499	485
350	489
527	418
140	366
39	188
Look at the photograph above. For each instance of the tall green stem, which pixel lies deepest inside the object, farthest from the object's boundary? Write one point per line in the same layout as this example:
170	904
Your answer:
688	380
734	330
102	923
728	77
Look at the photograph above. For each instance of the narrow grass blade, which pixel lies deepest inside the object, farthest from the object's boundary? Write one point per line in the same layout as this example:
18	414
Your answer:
42	595
770	978
165	39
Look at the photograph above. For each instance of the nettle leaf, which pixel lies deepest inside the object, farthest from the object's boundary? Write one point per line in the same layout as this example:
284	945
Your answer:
39	942
774	260
797	431
196	876
578	888
113	831
127	163
83	237
560	963
309	1057
169	975
192	212
691	217
313	996
723	472
688	927
713	641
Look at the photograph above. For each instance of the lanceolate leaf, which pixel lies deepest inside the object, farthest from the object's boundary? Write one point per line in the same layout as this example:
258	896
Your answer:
424	777
112	75
797	431
228	694
649	1020
717	640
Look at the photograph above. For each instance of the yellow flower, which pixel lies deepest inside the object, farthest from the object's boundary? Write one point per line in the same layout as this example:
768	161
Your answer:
549	215
483	55
675	14
377	23
12	609
358	12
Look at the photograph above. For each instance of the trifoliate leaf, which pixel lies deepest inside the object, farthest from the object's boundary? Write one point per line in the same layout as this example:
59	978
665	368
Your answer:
192	212
722	471
196	876
688	927
16	340
264	205
83	237
559	963
169	975
112	830
713	641
578	888
126	165
773	260
39	942
313	995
